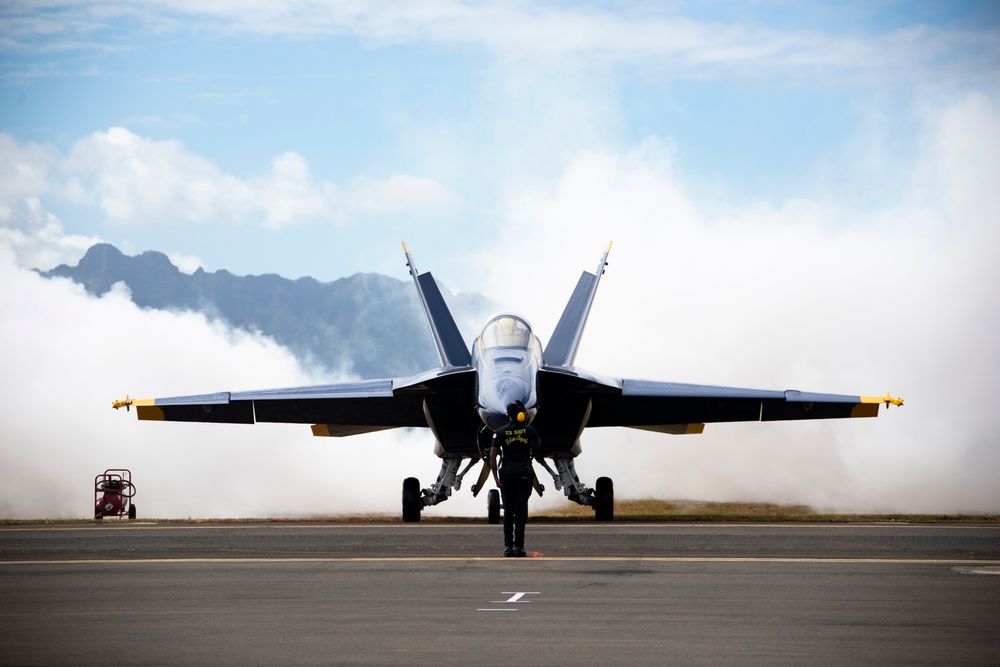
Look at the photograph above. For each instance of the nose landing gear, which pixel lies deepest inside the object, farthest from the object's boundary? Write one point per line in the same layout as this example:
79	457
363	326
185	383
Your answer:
493	506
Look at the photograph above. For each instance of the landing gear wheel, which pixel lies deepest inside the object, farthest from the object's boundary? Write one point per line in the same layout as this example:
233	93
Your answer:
604	499
131	511
411	500
493	506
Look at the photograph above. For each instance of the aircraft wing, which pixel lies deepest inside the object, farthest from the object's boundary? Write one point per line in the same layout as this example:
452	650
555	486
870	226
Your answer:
346	408
438	399
673	407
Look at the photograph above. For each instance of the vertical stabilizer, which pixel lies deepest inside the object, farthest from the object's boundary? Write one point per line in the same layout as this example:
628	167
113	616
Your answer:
448	339
561	350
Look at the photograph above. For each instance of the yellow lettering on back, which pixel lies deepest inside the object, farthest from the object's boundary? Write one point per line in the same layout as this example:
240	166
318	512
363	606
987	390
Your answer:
516	435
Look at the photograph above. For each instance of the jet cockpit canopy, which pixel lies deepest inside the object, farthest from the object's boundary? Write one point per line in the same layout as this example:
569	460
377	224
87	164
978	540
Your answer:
507	331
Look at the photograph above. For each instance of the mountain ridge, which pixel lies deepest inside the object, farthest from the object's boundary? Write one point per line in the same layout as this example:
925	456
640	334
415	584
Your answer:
368	323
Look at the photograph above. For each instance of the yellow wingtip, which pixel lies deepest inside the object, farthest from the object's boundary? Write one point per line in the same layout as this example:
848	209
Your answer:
129	402
888	399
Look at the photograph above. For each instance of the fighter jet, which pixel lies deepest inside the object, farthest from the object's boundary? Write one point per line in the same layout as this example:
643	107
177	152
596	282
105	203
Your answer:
465	398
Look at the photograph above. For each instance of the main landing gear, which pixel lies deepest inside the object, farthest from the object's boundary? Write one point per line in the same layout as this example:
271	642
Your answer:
602	498
449	479
411	500
415	499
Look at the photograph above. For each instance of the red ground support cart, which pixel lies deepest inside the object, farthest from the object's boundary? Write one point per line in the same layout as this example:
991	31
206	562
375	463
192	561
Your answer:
113	493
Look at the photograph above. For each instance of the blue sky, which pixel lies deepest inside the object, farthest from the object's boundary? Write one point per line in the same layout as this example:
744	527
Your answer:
800	194
472	101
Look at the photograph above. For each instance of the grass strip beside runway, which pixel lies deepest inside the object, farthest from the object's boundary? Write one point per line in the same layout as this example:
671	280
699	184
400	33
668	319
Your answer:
682	511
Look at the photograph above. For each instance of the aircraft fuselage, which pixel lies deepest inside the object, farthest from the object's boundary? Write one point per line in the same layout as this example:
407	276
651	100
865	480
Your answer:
506	356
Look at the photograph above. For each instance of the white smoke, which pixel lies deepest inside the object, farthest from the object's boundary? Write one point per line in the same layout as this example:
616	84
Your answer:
819	295
67	355
816	295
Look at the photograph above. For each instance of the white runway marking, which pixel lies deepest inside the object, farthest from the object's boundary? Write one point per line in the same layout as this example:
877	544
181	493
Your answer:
535	561
977	569
515	597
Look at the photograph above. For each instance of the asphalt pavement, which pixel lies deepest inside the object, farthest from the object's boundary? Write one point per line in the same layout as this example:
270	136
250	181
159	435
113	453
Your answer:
441	594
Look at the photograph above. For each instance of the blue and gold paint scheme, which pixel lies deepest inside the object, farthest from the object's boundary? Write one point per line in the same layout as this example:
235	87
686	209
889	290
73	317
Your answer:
463	400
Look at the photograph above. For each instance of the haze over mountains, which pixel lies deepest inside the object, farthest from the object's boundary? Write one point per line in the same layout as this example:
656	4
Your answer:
367	324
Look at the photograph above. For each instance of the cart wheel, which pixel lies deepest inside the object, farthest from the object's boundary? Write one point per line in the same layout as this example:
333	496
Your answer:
131	511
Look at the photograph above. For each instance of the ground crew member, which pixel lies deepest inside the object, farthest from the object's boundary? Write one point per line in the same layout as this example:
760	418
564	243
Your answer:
515	440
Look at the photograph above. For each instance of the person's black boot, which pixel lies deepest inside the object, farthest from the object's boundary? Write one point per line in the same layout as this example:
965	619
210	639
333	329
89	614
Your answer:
508	551
519	552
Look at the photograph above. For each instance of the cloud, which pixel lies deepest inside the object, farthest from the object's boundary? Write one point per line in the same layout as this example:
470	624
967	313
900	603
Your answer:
185	263
657	40
26	226
142	182
67	355
808	294
139	182
24	172
289	195
44	245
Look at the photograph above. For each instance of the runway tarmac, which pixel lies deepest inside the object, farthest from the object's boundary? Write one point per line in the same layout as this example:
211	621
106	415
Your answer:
413	594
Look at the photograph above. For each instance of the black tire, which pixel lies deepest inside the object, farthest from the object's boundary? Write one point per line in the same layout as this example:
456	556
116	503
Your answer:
604	500
493	506
131	511
411	500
